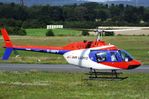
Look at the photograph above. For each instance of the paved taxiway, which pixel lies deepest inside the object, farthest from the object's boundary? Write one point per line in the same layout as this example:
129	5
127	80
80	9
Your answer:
57	68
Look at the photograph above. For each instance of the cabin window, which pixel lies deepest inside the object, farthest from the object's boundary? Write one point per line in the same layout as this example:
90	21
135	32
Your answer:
114	57
101	56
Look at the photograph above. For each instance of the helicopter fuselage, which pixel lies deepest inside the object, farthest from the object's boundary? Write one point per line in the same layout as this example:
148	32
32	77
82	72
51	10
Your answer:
97	58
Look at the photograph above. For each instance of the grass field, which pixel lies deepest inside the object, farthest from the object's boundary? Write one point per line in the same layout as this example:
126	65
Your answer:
36	32
57	32
136	45
71	85
50	85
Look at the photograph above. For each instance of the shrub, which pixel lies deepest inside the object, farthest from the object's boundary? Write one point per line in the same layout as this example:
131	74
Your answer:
85	33
50	33
109	33
16	31
119	34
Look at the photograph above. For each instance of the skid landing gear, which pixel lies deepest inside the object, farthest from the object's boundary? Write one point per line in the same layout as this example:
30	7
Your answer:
113	75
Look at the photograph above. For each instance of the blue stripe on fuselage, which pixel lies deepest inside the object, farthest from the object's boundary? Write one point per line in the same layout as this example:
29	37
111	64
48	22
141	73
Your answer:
61	52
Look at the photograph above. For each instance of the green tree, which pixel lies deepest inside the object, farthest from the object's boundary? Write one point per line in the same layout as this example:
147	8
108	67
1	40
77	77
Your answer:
16	31
80	13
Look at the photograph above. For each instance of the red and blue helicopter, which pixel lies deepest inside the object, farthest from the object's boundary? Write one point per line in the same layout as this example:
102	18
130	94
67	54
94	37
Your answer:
94	55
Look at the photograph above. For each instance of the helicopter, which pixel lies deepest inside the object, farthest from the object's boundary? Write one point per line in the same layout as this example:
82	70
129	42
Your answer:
93	55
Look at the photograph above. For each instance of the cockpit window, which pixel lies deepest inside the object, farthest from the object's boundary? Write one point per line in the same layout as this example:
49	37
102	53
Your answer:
125	56
101	56
110	56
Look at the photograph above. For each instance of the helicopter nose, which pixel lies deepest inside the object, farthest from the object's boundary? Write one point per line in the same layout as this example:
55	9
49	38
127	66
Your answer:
134	64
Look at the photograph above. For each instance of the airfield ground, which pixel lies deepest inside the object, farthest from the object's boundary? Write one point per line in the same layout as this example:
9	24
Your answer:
57	32
67	85
136	45
124	30
73	32
134	32
53	85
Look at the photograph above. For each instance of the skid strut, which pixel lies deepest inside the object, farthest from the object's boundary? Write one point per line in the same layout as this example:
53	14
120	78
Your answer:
93	74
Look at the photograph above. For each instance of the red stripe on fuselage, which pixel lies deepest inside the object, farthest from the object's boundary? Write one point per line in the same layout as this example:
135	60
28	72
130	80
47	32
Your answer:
123	65
87	44
72	46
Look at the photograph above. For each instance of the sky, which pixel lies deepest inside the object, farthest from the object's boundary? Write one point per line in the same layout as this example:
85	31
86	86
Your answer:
106	0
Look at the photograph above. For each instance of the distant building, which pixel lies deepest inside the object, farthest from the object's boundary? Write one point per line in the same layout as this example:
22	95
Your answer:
54	26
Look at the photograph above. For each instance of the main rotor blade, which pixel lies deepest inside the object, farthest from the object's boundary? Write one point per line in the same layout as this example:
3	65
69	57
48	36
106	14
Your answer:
122	30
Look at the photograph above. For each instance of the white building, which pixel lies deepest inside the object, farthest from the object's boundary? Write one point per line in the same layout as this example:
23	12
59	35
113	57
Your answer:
54	26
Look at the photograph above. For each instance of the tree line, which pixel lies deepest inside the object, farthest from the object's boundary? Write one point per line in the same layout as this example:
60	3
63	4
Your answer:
87	15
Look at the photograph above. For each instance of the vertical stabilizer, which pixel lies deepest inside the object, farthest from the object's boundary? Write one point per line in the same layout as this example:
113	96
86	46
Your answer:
7	53
6	38
8	44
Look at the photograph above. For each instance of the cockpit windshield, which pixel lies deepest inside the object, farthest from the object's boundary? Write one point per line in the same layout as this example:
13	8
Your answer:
125	56
111	56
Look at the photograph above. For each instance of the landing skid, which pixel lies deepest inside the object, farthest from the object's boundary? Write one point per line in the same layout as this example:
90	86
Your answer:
113	75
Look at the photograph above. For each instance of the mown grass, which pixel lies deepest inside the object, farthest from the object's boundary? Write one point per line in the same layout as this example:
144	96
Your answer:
136	45
36	32
51	85
66	32
57	32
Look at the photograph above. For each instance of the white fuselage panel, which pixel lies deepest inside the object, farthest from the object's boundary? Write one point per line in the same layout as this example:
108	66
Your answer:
81	58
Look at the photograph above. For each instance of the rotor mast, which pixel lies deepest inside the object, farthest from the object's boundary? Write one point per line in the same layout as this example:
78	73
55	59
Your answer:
99	34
